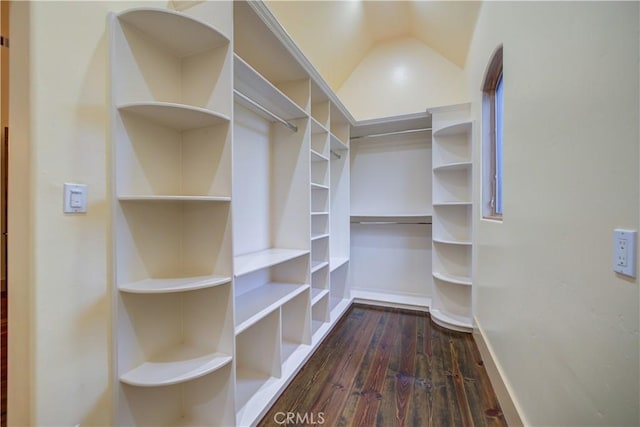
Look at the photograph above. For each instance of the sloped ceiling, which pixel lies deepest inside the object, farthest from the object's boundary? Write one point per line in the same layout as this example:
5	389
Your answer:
336	35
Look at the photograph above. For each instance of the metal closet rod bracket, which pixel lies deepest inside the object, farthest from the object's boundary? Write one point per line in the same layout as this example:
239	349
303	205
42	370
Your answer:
335	154
266	111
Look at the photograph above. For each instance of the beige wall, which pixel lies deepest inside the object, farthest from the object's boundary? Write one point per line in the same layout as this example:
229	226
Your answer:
59	273
401	76
563	327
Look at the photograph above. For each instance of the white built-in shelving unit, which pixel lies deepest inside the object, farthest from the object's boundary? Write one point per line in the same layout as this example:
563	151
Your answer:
452	217
391	211
171	131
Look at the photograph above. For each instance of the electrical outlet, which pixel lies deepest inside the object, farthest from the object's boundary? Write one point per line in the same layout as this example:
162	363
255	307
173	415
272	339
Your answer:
624	252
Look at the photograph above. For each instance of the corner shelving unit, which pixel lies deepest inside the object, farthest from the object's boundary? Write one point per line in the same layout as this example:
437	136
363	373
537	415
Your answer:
452	218
171	139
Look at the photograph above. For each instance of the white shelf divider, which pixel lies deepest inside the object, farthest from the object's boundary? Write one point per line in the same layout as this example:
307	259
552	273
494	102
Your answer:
337	144
315	186
451	278
318	265
453	166
317	295
255	261
317	157
175	366
261	301
452	242
320	236
175	116
337	262
180	284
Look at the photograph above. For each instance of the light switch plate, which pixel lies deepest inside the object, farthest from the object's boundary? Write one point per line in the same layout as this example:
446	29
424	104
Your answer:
624	251
75	198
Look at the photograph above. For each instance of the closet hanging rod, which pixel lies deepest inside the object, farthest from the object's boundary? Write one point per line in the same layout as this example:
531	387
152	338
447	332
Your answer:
399	132
389	222
261	108
335	154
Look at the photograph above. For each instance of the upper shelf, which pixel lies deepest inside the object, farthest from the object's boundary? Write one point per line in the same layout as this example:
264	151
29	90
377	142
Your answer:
172	198
176	116
337	144
180	33
398	218
253	85
454	129
255	261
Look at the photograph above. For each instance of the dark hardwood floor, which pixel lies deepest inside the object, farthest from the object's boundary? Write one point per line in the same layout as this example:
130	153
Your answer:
388	367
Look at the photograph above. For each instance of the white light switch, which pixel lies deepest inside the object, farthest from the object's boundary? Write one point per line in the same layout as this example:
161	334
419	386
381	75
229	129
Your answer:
624	252
75	198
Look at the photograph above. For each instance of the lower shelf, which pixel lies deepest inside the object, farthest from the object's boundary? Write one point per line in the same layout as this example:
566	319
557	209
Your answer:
457	323
175	366
257	303
451	278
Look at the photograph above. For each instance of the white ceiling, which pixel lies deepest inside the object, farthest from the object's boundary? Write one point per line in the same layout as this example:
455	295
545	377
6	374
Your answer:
336	35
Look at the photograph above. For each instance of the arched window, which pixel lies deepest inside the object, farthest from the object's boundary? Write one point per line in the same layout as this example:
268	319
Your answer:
492	119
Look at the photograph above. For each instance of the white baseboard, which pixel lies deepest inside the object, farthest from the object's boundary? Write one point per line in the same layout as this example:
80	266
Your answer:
509	406
384	299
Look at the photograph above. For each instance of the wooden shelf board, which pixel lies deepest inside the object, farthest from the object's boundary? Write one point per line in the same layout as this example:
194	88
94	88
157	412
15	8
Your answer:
317	295
458	128
167	198
177	365
180	33
254	305
315	186
451	278
176	116
255	261
320	236
317	157
337	262
337	144
318	265
453	166
178	284
458	323
253	85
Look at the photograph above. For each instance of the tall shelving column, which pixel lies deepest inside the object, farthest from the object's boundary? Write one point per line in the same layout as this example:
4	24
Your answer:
171	138
452	217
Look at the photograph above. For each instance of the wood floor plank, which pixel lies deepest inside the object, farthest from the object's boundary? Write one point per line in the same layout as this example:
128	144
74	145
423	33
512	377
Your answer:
389	367
421	410
369	401
342	374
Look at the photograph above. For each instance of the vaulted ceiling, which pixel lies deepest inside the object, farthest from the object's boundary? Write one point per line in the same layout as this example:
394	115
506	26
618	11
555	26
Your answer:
336	35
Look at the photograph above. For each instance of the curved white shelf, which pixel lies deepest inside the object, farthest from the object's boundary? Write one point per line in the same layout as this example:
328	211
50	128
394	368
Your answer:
176	116
452	242
315	186
319	213
320	236
336	143
180	33
159	198
459	128
252	84
318	265
317	295
175	366
453	166
450	278
457	323
259	302
180	284
255	261
317	157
